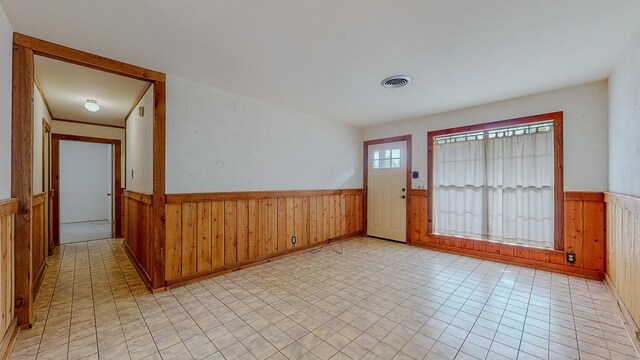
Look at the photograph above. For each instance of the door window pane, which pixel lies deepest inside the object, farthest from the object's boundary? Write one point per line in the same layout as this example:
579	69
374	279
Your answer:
386	159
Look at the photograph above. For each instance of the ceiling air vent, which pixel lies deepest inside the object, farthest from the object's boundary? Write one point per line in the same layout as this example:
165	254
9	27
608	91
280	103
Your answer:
396	81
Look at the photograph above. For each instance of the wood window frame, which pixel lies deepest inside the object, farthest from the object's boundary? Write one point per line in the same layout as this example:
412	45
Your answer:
558	196
24	49
365	177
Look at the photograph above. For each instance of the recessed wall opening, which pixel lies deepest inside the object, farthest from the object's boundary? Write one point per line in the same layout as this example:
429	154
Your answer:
86	191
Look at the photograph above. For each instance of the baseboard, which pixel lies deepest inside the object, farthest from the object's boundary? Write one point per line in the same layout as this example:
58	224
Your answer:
37	281
9	338
141	271
256	261
629	323
512	260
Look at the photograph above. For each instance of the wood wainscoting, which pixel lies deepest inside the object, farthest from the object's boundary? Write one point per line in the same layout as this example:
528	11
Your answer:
138	233
214	232
623	257
39	243
584	234
8	328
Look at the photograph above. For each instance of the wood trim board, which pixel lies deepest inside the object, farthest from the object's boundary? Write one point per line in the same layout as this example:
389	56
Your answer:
629	323
78	57
8	207
511	259
145	198
247	195
159	182
21	177
9	339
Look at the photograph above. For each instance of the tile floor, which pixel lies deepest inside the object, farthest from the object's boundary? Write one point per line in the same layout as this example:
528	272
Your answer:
84	231
378	300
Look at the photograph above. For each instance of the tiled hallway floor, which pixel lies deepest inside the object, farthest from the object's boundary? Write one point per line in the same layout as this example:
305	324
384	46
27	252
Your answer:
378	300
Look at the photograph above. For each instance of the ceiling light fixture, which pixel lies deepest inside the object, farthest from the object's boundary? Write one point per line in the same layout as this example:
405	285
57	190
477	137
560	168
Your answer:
91	105
396	81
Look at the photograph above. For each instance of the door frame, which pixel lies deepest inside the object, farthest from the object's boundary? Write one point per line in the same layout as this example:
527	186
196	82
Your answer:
116	178
46	185
365	177
24	49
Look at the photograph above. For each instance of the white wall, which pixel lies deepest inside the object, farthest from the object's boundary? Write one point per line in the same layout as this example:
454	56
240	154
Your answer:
585	130
63	127
85	180
6	48
221	141
624	122
40	112
140	146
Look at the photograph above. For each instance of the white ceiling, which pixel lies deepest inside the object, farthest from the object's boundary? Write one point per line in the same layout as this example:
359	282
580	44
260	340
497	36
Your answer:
327	57
66	88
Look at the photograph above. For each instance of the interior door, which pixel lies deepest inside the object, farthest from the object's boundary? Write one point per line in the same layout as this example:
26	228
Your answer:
386	191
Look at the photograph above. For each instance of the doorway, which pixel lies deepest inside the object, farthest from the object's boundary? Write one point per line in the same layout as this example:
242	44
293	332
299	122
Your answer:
87	200
387	183
86	188
26	51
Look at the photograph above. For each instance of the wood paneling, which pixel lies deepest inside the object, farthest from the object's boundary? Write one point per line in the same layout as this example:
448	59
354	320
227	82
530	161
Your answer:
623	251
584	234
227	232
8	209
138	232
38	230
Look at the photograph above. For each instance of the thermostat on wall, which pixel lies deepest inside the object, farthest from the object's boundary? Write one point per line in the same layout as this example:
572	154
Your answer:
414	175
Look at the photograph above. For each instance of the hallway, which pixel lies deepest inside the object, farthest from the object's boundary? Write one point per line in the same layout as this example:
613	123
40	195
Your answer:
89	288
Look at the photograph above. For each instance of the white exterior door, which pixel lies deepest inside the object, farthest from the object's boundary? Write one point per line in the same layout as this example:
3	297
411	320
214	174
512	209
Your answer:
386	191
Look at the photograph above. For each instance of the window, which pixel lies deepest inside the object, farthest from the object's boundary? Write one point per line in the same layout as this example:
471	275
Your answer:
386	159
497	182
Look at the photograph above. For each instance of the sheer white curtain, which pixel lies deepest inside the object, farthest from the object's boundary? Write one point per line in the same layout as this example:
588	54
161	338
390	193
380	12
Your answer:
459	180
498	188
520	175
